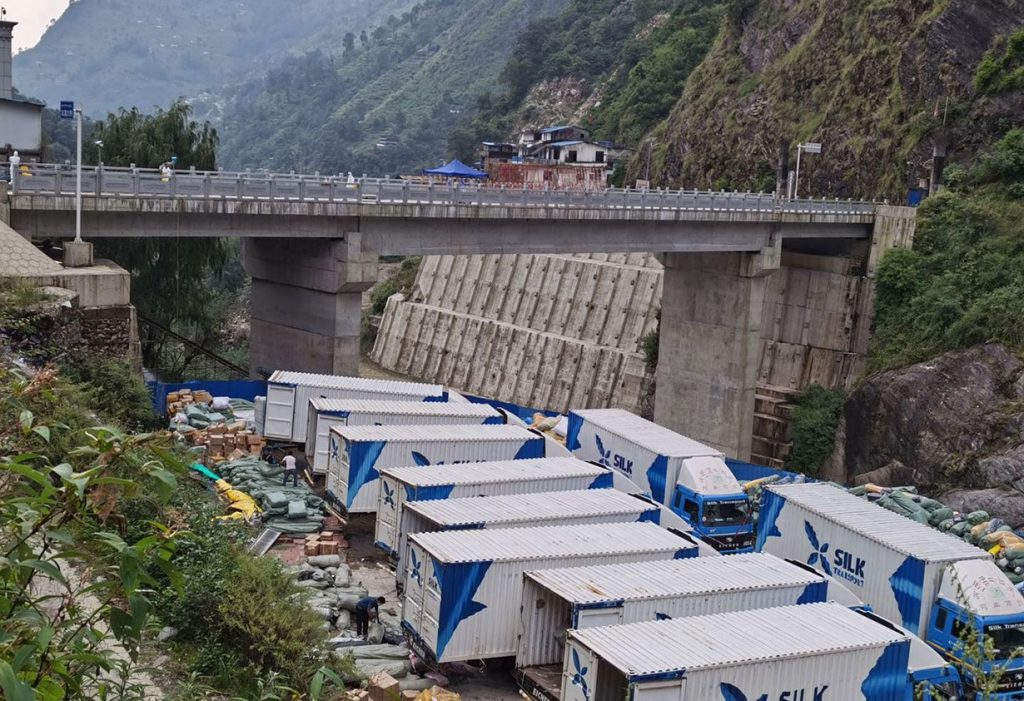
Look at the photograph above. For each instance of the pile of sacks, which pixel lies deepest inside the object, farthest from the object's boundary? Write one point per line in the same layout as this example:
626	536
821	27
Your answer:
333	595
977	527
754	488
287	509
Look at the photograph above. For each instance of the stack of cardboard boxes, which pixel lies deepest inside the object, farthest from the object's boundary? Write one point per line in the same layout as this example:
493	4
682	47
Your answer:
321	544
177	401
228	442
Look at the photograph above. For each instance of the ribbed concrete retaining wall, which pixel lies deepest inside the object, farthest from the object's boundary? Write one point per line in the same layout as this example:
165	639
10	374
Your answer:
540	330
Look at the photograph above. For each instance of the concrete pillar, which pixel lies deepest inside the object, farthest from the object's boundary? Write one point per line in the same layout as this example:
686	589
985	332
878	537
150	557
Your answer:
5	205
306	303
710	345
77	254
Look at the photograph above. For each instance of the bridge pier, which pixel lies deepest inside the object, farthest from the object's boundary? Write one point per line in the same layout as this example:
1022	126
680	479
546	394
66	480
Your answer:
307	303
709	345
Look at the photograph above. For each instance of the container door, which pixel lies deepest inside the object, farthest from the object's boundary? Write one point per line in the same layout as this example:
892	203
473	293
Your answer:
660	691
322	441
431	604
280	412
413	592
387	511
579	674
591	618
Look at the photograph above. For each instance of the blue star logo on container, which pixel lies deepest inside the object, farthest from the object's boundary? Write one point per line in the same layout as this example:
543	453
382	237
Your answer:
731	693
334	448
606	455
820	552
415	564
579	677
389	494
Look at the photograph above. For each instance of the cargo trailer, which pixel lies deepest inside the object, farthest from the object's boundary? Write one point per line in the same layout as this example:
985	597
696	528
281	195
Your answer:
929	582
288	395
690	478
358	453
324	413
557	600
811	652
463	588
530	510
401	485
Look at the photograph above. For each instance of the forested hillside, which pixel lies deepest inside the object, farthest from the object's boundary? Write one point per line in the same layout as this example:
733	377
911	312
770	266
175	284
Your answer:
144	53
385	105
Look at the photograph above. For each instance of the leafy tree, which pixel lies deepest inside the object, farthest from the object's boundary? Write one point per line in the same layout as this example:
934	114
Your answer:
815	418
170	276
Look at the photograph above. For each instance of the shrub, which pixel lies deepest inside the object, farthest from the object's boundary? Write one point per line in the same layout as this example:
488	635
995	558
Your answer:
115	391
815	418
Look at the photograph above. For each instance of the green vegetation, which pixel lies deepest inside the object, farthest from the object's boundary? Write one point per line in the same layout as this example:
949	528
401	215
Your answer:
963	282
382	105
650	344
634	57
115	391
399	281
815	418
1002	69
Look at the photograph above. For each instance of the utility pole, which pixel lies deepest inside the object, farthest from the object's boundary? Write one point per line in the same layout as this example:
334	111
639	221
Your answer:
78	178
809	147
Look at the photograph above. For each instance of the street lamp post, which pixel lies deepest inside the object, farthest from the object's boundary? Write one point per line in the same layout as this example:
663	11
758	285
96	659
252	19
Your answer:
810	147
99	146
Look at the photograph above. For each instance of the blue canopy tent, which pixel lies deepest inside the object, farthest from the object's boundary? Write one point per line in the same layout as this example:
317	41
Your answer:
455	169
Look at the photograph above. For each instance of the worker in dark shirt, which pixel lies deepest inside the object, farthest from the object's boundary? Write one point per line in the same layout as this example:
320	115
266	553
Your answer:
363	607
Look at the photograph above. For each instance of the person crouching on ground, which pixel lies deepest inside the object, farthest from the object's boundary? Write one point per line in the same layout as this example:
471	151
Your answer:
363	607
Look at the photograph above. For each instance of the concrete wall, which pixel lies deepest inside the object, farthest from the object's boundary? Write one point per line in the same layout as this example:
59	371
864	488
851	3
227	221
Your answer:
539	330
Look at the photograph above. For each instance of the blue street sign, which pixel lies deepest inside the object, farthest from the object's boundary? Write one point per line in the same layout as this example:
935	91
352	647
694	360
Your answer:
67	109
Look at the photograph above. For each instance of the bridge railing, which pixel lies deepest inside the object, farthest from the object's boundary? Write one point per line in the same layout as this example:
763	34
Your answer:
59	180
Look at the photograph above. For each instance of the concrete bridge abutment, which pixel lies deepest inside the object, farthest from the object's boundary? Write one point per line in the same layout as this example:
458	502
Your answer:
306	303
709	347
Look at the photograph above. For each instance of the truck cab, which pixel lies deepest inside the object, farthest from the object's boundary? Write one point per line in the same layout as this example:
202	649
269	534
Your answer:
976	595
721	520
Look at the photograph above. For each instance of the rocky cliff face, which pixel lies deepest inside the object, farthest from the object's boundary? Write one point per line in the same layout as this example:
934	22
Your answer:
953	426
873	82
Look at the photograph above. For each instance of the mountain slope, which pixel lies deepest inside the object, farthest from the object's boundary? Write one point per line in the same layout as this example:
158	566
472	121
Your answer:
404	89
874	82
113	53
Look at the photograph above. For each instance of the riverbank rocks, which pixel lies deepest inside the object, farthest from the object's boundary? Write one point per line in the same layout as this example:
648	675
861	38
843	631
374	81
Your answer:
952	426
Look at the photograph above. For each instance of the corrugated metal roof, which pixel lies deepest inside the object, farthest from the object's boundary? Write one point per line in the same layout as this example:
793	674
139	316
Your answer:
647	433
650	580
736	638
548	542
491	472
443	434
520	507
563	143
385	406
364	384
877	523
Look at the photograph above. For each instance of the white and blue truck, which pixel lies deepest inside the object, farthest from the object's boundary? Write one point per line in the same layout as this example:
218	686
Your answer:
358	453
930	583
809	652
688	477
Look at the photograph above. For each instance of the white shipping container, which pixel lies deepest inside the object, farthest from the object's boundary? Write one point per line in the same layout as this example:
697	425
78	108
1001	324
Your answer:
401	485
585	597
288	395
521	510
324	413
358	453
887	560
463	588
259	414
812	652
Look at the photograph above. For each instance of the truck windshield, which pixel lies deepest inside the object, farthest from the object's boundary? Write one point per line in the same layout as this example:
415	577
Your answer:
1007	639
725	513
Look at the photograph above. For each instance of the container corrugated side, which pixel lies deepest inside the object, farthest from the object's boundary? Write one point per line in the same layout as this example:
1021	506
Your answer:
743	654
638	431
366	384
459	606
373	448
886	560
617	594
325	413
401	485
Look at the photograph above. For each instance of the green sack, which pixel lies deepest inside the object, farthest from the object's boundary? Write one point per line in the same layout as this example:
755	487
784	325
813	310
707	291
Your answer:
976	517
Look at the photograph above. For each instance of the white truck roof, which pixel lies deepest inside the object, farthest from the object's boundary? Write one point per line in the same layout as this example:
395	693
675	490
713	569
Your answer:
365	384
650	435
983	589
876	523
517	508
491	472
404	408
433	434
734	639
547	542
659	579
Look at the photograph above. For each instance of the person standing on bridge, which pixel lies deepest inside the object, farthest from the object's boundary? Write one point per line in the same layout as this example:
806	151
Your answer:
15	162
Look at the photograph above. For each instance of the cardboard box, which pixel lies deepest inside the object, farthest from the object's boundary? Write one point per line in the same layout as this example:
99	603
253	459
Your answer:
312	548
383	687
329	548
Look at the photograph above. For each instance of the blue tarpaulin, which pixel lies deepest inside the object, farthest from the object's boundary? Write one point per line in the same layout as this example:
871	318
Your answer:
455	169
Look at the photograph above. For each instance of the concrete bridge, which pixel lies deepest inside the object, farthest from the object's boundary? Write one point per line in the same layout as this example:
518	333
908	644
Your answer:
312	246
